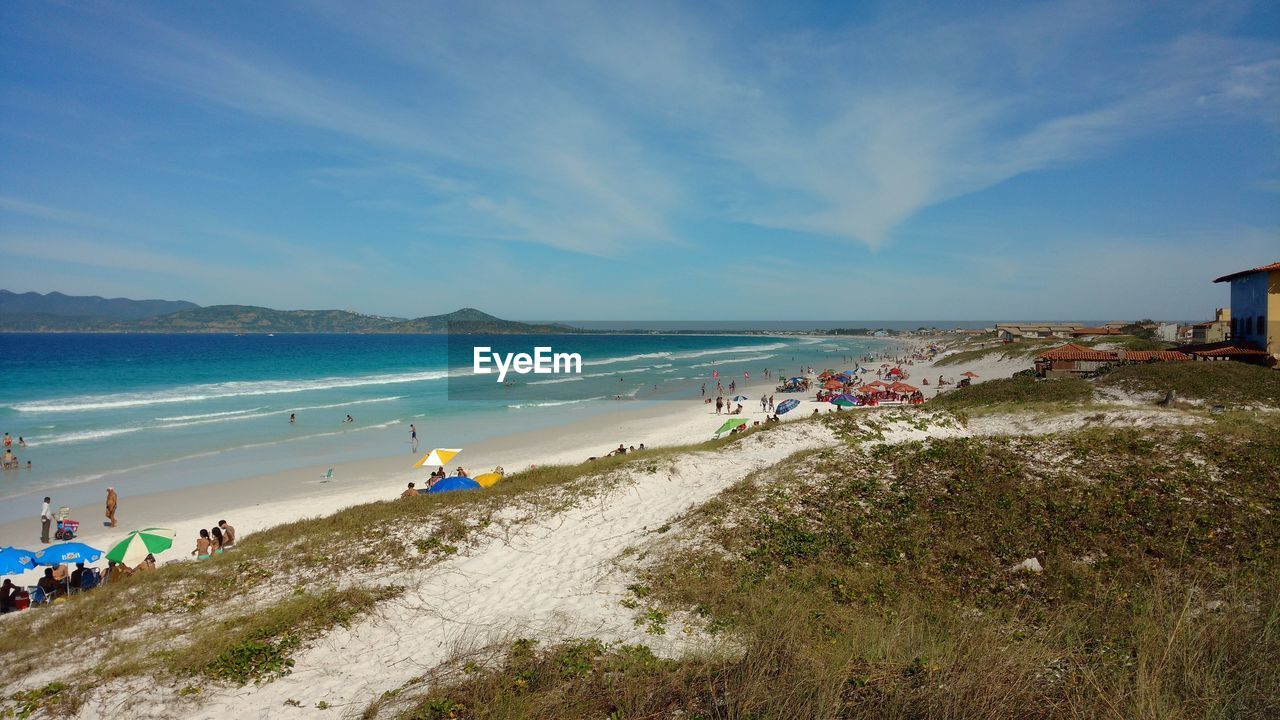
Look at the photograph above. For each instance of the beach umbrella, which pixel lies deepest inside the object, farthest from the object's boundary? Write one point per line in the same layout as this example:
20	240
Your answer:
902	387
487	479
832	385
439	456
450	484
740	398
787	406
68	552
730	424
14	561
137	545
970	374
845	400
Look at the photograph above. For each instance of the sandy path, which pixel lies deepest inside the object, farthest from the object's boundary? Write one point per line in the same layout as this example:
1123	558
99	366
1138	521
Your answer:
551	578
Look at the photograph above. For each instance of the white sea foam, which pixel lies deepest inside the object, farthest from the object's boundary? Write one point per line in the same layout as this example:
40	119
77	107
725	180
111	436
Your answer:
180	418
213	391
729	361
554	403
627	358
728	350
556	380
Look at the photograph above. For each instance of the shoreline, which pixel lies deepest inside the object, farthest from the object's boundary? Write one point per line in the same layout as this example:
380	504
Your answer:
259	501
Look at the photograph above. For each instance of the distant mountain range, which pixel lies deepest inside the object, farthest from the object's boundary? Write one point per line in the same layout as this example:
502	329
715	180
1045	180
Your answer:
55	312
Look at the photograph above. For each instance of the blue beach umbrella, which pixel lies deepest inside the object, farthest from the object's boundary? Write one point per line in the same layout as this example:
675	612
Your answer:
14	561
844	400
450	484
740	398
70	552
787	406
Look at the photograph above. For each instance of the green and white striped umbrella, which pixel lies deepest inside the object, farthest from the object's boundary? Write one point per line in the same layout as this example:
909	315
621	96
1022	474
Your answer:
138	544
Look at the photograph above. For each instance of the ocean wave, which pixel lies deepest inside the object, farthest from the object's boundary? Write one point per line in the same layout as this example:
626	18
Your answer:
214	391
730	361
554	403
557	380
84	435
728	350
628	358
180	418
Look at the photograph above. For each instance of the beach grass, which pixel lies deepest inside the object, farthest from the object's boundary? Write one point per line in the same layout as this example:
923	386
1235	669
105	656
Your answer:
1224	382
1019	390
888	584
1025	349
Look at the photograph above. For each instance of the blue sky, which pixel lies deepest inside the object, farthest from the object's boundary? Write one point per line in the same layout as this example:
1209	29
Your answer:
644	160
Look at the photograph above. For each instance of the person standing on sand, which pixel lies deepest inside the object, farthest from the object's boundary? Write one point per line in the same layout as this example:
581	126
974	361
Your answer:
704	389
719	404
44	521
112	501
413	438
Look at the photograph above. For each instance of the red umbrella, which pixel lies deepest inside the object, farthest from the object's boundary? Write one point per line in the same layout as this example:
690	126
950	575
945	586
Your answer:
833	385
970	374
902	388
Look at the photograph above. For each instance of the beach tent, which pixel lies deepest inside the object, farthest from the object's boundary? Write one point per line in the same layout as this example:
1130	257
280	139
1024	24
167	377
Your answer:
438	457
487	479
137	545
787	406
450	484
14	561
730	424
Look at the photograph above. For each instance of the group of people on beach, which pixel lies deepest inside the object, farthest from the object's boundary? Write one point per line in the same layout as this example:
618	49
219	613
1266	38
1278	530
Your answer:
214	540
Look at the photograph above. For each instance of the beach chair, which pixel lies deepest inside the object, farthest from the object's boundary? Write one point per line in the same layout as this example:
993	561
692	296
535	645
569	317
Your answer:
328	475
90	579
38	596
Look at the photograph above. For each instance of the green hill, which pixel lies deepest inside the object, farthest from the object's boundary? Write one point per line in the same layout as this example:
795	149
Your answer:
248	318
471	320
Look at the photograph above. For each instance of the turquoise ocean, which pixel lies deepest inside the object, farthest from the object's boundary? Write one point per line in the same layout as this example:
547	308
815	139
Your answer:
159	412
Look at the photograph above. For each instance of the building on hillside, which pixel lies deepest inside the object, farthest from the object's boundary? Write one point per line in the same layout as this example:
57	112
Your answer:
1072	359
1184	334
1116	324
1255	308
1227	350
1167	332
1086	331
1216	330
1017	331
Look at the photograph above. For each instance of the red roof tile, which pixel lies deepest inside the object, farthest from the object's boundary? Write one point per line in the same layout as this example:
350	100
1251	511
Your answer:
1072	351
1234	275
1162	355
1222	349
1096	331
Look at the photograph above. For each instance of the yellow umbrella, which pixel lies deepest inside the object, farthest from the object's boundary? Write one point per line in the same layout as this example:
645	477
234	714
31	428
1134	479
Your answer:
439	456
487	479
